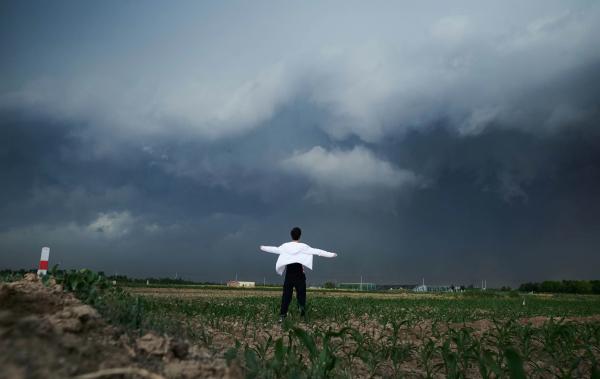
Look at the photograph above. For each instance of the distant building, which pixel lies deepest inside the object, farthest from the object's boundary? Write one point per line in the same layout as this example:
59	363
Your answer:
430	288
393	287
358	286
237	283
420	288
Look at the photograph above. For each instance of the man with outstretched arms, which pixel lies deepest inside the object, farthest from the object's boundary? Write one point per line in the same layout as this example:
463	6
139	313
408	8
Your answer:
293	257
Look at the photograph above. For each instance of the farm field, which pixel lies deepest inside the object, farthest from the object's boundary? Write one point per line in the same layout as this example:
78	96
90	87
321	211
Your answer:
211	331
222	291
353	334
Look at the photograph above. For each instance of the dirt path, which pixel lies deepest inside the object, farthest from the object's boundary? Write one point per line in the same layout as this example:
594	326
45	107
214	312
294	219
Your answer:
196	293
47	333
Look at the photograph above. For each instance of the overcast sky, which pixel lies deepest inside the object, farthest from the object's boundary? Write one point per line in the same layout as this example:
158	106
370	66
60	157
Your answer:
455	141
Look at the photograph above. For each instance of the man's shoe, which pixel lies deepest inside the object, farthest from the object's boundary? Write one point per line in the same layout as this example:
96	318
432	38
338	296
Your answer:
281	319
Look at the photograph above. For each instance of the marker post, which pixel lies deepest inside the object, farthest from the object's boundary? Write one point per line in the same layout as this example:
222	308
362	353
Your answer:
43	268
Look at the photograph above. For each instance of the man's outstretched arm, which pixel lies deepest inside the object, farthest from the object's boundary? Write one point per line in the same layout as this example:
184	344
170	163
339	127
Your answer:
270	249
321	253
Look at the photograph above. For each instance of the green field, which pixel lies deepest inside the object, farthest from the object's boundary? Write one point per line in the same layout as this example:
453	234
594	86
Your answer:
353	334
349	334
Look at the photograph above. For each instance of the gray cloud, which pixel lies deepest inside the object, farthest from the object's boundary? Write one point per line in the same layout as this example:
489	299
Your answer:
463	66
397	137
347	173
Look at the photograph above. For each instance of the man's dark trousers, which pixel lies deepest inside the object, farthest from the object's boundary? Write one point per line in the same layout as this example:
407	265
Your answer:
294	278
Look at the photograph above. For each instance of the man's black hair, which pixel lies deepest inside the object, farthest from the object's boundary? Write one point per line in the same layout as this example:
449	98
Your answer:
296	233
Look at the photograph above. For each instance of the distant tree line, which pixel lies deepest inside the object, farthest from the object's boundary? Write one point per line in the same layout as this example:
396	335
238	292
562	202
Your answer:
16	272
126	279
549	286
7	274
564	286
13	275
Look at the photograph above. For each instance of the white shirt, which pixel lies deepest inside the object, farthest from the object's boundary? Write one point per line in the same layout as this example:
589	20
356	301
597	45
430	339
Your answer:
295	252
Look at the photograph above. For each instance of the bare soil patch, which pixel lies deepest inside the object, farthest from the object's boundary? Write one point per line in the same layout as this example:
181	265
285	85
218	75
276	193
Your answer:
47	333
198	293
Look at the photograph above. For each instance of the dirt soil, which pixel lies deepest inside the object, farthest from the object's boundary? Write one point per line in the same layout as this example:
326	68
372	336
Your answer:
199	293
47	333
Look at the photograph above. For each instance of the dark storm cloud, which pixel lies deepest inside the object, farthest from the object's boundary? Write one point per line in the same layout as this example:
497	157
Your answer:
453	145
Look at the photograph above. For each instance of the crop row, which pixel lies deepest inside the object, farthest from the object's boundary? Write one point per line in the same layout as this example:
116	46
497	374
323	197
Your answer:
445	336
349	337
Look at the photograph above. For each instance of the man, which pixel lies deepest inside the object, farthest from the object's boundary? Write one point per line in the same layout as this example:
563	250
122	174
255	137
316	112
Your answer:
293	257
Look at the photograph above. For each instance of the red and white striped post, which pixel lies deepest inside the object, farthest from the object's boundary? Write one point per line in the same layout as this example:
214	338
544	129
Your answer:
43	269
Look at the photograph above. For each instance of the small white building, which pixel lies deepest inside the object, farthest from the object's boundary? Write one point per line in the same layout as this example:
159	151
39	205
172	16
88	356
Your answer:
421	288
438	288
237	283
